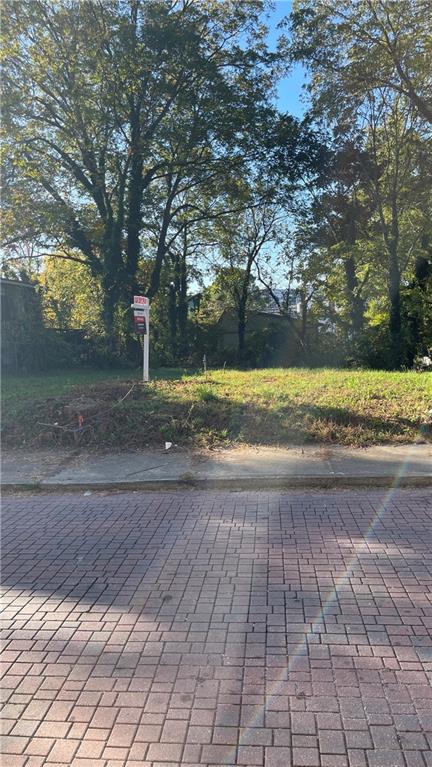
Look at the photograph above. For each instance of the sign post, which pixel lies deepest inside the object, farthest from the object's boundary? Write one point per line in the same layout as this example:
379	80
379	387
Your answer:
146	358
141	307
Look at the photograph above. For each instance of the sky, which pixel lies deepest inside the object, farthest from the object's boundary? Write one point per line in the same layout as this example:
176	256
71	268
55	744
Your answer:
289	88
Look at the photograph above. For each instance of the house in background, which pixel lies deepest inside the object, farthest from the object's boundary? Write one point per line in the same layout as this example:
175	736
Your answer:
292	303
21	325
194	302
268	304
272	337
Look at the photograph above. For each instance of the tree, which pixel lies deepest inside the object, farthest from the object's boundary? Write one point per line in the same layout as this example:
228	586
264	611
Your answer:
242	237
98	95
396	188
71	298
21	262
357	89
417	306
335	221
357	47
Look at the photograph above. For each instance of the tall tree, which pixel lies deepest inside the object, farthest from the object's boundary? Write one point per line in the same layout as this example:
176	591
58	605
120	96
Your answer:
337	219
96	97
360	46
356	87
241	240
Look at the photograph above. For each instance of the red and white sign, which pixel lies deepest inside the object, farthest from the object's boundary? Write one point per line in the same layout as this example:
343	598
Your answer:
141	300
141	307
140	325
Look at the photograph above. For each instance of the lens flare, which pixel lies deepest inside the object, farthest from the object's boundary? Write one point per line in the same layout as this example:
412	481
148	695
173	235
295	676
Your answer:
301	648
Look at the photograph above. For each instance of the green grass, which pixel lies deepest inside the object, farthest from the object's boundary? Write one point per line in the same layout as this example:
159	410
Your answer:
271	407
58	382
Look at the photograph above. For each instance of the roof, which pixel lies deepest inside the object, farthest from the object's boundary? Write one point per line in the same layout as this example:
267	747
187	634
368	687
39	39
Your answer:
20	283
230	313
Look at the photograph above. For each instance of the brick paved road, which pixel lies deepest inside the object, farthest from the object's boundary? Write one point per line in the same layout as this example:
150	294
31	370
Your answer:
215	628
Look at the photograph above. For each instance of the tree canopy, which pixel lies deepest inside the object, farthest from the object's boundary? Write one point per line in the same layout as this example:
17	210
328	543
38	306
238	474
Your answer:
144	152
107	103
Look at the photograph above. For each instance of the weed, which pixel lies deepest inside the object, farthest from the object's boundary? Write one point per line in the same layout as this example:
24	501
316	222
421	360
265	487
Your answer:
267	407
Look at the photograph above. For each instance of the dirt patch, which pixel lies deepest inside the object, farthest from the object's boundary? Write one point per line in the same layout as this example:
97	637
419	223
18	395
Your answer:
196	414
125	415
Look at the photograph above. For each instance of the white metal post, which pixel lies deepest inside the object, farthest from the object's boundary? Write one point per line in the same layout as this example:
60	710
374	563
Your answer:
146	348
141	309
143	340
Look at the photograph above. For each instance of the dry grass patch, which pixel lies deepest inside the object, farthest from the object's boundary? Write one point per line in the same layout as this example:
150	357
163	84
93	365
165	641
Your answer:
268	407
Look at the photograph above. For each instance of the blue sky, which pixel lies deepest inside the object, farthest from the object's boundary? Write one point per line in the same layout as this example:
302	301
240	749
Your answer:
289	88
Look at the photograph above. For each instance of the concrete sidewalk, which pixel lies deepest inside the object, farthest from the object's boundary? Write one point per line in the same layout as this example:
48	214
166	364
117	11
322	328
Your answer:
237	468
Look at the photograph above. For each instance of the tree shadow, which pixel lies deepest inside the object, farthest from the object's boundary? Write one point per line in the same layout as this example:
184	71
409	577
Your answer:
126	416
252	606
139	550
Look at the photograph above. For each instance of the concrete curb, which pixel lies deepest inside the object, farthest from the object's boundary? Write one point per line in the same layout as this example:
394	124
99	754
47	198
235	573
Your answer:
243	468
241	483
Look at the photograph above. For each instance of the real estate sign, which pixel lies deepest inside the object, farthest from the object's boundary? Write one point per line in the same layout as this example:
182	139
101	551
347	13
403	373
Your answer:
141	307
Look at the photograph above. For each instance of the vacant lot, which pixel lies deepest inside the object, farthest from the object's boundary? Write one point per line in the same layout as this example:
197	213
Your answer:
38	385
295	406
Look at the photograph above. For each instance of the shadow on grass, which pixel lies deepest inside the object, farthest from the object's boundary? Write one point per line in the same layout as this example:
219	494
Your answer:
345	417
117	416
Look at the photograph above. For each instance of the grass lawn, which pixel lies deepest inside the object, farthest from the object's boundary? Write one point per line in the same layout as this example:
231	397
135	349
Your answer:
273	406
57	382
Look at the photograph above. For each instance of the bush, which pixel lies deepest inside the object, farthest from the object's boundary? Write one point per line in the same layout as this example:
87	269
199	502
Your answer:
373	348
40	349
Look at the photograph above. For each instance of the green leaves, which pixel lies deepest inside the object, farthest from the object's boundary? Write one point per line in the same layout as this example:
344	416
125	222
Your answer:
106	101
370	86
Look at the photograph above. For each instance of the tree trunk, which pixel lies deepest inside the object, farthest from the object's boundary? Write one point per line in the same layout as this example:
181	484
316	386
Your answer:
162	246
241	317
396	355
304	314
241	329
134	220
182	311
136	181
241	308
172	319
422	271
394	280
355	303
109	302
112	283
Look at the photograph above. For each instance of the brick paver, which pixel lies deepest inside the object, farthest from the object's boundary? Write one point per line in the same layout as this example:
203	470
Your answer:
268	629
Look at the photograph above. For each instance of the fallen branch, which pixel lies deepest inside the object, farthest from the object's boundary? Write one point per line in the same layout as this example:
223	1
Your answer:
80	428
